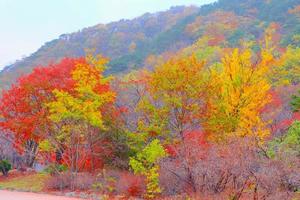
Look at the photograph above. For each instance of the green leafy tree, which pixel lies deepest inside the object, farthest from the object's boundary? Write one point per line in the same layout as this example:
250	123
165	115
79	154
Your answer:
146	163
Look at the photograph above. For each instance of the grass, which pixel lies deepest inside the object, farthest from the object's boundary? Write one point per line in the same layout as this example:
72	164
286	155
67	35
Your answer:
29	183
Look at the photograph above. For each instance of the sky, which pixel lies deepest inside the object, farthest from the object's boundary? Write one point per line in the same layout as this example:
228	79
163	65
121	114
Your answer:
27	24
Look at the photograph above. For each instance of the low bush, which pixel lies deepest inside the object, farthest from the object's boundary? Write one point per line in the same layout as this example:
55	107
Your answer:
131	185
5	167
58	182
81	181
84	181
56	169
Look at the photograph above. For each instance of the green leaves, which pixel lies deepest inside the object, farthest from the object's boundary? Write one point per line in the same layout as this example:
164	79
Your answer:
148	157
288	144
291	141
67	106
90	94
146	163
295	103
5	167
287	70
45	146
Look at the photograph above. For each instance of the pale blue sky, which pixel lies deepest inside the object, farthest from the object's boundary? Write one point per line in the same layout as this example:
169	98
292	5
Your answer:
28	24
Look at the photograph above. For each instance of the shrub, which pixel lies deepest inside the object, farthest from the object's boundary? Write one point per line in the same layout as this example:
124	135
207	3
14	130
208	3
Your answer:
59	182
84	181
236	169
5	166
106	181
131	185
55	169
81	181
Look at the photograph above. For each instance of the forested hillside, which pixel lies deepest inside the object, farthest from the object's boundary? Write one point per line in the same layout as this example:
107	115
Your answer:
190	103
128	43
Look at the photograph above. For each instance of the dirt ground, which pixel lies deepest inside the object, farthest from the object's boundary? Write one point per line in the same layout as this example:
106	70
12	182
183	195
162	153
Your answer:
11	195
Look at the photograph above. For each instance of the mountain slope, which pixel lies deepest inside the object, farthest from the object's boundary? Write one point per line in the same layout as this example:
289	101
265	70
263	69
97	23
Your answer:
129	42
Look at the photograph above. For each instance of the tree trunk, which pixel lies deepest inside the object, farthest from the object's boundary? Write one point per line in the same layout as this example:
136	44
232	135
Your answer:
30	153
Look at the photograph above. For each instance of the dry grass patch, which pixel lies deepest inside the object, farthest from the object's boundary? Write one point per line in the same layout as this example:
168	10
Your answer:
32	183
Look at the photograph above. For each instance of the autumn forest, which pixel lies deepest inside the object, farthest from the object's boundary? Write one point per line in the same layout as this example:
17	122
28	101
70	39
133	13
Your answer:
218	118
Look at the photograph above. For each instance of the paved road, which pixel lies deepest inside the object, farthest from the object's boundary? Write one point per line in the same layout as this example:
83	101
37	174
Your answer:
8	195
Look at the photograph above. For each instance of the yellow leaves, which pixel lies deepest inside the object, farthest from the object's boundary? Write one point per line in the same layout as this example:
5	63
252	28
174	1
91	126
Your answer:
90	94
68	107
172	98
89	74
157	116
58	106
177	75
226	99
45	146
233	63
270	40
244	91
98	62
287	69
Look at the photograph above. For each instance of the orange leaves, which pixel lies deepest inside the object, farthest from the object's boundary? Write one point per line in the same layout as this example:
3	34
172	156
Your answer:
173	97
176	75
227	100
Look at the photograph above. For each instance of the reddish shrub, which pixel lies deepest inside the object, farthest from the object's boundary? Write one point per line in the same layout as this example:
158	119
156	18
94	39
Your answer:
58	182
130	185
237	170
82	181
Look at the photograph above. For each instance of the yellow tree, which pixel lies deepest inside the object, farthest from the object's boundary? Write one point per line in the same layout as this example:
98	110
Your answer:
171	106
241	92
173	102
79	113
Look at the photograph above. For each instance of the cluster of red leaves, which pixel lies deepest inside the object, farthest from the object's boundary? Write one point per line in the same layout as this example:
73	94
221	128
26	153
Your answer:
284	124
22	105
278	110
193	140
27	118
131	185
